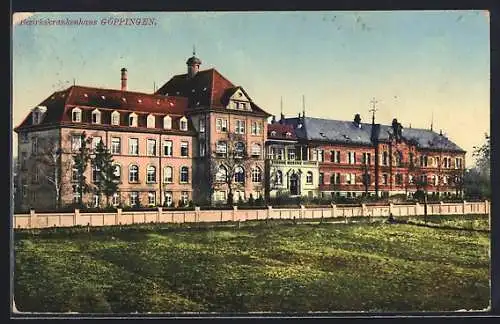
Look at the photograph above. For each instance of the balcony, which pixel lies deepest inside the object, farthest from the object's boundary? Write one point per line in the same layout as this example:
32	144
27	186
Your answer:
293	163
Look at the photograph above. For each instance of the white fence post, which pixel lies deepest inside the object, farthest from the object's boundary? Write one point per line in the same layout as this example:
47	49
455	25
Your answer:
269	210
464	205
334	210
33	221
76	217
196	214
441	207
235	209
486	207
118	216
302	211
158	213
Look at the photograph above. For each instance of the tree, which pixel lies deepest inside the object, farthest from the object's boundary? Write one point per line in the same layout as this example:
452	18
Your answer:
106	181
230	165
477	183
81	160
47	160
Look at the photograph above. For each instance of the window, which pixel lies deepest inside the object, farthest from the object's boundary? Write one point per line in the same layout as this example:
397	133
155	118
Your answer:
150	121
184	149
151	198
76	193
95	141
321	155
384	179
151	174
351	157
202	149
423	179
116	145
309	177
96	174
115	118
351	178
277	153
410	158
221	149
445	180
202	125
133	174
184	197
134	198
24	157
76	115
256	175
399	179
183	124
221	174
279	177
240	127
434	180
335	178
74	174
167	148
167	122
367	158
117	172
34	145
133	146
115	200
220	195
24	137
76	142
411	180
151	147
184	174
221	125
168	175
256	149
132	120
239	149
291	153
36	175
96	117
95	201
399	158
321	178
168	198
256	128
239	175
335	156
384	158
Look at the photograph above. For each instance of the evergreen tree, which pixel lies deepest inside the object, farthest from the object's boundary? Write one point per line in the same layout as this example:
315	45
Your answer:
106	180
81	159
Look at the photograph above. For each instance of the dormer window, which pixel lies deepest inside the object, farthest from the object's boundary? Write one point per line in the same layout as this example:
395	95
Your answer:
167	122
96	117
273	133
124	99
38	114
103	97
288	134
139	100
150	121
115	118
85	95
132	120
183	125
76	115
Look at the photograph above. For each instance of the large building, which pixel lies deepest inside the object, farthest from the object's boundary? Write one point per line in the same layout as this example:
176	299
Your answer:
201	138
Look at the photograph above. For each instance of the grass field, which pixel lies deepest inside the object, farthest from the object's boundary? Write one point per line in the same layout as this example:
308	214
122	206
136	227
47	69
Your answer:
260	268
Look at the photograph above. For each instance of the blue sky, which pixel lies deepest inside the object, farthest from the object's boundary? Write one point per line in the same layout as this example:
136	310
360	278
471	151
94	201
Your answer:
420	65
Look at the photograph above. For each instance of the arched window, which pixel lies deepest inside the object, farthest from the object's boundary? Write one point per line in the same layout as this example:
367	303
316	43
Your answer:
168	175
150	122
399	158
256	175
151	174
76	115
133	173
96	174
132	120
279	177
167	122
115	118
96	116
221	174
184	174
183	124
117	172
309	177
239	175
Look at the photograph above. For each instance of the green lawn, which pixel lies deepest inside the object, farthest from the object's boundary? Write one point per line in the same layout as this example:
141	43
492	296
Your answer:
265	267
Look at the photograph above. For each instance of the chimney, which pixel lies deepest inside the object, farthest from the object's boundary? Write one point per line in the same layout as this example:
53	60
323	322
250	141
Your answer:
124	79
357	120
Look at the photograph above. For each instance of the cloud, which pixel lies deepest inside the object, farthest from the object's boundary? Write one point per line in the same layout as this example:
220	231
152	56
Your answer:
17	17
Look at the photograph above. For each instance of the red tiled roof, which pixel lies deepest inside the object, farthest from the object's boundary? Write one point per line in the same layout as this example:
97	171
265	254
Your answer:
208	88
281	131
60	104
